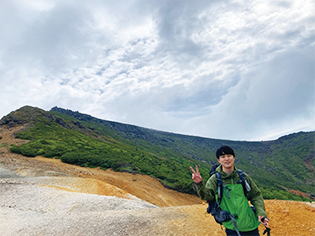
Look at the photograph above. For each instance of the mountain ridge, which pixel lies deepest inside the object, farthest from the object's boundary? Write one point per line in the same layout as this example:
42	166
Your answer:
281	162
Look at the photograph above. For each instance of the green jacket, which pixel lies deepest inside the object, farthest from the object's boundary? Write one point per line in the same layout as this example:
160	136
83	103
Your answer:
237	204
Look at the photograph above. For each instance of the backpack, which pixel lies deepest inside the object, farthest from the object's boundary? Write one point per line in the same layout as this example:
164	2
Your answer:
214	206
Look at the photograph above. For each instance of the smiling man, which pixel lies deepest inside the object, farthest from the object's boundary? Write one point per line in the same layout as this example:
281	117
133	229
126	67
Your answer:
234	198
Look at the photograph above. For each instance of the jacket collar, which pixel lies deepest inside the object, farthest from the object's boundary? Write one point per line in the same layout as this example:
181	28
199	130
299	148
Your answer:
225	175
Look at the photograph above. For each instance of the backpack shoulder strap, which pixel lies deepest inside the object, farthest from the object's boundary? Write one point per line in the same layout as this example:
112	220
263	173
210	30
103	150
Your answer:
220	186
213	169
243	181
241	174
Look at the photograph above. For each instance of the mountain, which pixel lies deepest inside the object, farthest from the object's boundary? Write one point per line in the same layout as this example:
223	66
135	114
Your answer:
76	138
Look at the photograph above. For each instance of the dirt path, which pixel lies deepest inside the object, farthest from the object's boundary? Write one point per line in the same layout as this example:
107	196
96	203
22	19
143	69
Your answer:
178	214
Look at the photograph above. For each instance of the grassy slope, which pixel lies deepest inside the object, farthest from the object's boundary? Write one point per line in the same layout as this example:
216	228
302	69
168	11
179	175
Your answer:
166	156
271	164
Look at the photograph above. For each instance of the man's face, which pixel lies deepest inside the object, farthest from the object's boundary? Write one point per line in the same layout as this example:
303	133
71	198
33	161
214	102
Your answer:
227	161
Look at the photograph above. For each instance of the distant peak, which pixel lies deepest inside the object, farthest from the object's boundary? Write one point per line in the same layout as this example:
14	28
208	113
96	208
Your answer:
24	115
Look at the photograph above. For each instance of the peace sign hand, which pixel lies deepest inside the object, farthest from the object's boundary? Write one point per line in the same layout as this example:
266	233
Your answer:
196	175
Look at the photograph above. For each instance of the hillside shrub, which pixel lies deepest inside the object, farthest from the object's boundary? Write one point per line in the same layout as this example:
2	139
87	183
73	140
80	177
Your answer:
75	158
15	149
29	152
24	150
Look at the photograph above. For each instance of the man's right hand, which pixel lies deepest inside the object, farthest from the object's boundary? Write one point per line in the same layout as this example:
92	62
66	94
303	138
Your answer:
264	220
196	175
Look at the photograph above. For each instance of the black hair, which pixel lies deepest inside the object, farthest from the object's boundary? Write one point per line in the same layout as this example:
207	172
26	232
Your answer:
224	150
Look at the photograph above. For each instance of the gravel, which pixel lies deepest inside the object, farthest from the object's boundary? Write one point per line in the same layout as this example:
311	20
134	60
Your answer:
27	208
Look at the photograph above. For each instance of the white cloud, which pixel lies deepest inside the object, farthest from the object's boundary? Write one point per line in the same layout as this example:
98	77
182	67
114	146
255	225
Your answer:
232	70
278	95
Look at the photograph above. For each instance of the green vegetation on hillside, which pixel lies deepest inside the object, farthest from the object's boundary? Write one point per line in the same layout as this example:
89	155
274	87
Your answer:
271	163
268	193
74	147
87	141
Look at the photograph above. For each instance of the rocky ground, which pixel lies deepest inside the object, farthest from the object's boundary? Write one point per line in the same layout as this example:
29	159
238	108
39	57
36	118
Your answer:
40	196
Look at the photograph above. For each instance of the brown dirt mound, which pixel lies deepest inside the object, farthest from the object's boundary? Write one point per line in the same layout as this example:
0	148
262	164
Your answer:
91	186
291	218
287	218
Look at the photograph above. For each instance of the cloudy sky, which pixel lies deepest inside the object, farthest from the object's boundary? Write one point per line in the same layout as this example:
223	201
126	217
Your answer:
237	70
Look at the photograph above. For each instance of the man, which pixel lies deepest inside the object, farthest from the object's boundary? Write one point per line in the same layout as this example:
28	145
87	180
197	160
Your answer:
234	201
